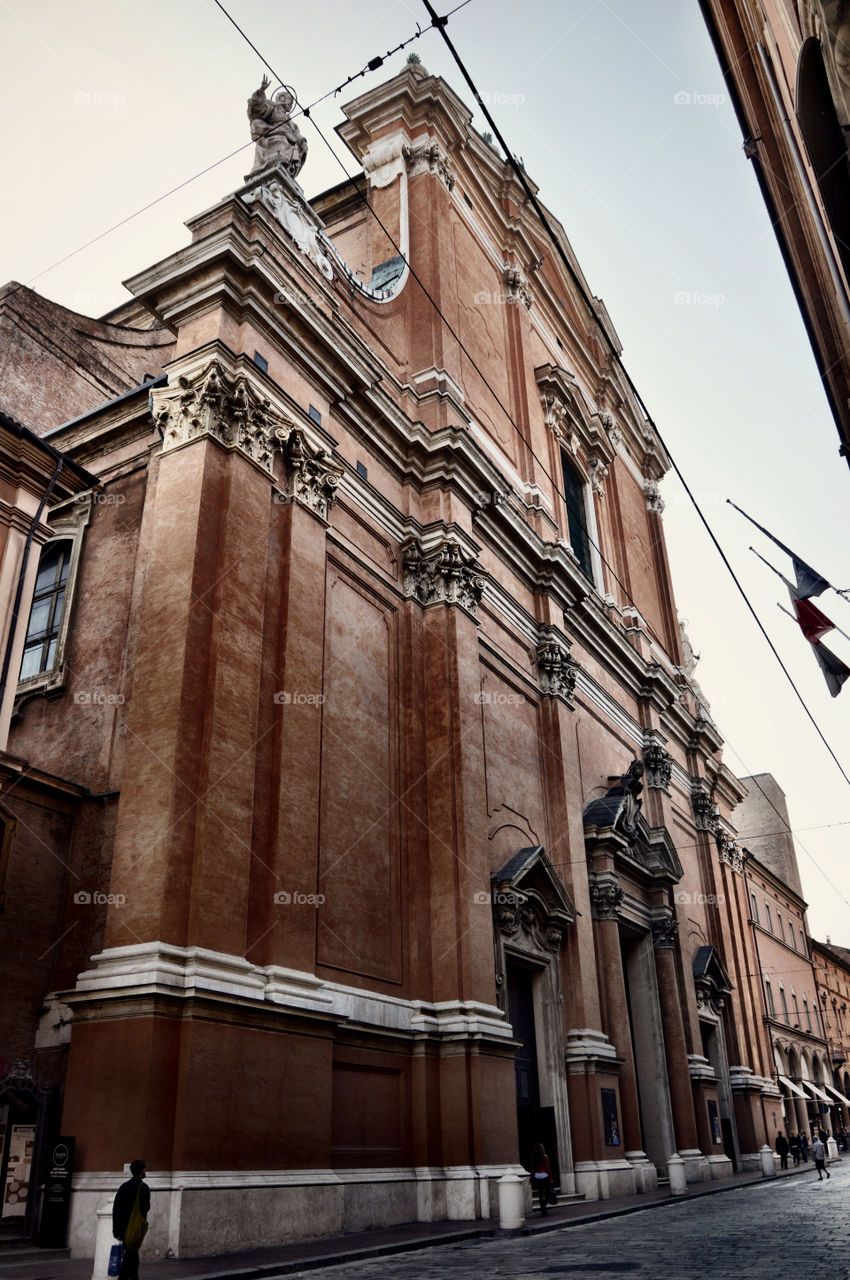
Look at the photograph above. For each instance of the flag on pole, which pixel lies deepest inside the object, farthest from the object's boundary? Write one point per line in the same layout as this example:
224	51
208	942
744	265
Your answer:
835	672
813	623
809	581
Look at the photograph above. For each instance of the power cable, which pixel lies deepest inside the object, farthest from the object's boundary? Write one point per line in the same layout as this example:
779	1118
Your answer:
439	24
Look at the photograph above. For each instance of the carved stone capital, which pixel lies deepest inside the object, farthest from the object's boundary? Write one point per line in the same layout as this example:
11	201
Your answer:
706	814
516	285
558	671
213	403
429	157
312	475
448	574
659	766
558	422
605	900
652	494
664	932
729	852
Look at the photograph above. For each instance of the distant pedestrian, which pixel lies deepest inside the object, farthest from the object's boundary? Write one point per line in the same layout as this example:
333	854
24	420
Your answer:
541	1176
804	1147
795	1148
782	1149
819	1157
130	1218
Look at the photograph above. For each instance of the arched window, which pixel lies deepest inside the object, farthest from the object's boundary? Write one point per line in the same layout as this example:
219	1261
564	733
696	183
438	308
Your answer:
574	492
48	603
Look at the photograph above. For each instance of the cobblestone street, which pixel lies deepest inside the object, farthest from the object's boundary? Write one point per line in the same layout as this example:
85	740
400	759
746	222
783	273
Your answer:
790	1227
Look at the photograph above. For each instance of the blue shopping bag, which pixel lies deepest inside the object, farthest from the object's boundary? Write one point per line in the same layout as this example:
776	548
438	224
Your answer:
116	1257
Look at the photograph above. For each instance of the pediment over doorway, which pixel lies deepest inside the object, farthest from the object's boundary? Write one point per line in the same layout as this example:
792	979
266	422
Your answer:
529	897
710	980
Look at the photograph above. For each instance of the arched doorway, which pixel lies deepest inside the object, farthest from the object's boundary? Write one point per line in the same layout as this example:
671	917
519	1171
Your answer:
25	1118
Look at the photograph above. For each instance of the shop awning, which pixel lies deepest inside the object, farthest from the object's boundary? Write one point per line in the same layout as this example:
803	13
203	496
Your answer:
838	1094
816	1092
789	1084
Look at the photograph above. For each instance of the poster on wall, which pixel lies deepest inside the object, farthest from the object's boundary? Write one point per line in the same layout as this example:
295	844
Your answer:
714	1121
610	1123
21	1147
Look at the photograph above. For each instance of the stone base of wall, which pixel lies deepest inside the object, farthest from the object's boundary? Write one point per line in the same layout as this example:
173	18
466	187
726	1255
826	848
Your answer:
204	1214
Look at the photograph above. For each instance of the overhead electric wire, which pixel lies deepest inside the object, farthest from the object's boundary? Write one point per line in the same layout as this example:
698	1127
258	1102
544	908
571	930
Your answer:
440	25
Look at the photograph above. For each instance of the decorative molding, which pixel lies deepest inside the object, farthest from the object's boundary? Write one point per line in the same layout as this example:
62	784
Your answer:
312	475
652	494
276	191
429	157
658	765
448	574
516	285
212	403
706	813
729	852
598	472
558	670
606	897
664	932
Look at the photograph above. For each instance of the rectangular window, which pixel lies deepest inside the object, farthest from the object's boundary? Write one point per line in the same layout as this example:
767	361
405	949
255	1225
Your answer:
754	906
768	915
574	494
785	1017
768	992
808	1015
46	613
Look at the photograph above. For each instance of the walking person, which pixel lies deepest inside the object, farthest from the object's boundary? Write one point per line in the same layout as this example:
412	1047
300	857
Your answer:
819	1157
795	1148
804	1147
130	1218
541	1176
782	1149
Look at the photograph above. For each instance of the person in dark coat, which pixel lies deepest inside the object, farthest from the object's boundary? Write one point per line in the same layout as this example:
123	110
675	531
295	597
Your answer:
541	1176
804	1147
796	1154
122	1207
782	1149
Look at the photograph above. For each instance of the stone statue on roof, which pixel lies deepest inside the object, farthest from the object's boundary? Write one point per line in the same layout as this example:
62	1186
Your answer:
279	141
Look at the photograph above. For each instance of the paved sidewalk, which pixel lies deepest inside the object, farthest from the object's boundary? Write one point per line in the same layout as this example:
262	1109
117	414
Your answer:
260	1264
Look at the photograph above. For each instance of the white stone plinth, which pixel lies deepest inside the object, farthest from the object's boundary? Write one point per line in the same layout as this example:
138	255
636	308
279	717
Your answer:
831	1148
768	1164
104	1240
511	1202
677	1175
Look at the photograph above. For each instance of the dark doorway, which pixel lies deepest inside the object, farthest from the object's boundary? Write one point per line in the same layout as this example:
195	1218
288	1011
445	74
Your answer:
534	1123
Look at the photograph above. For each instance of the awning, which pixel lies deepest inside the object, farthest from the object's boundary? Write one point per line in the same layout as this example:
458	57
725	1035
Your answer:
789	1084
816	1092
838	1093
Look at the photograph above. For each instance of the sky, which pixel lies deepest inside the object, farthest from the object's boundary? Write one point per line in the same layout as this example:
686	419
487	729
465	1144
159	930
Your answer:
619	112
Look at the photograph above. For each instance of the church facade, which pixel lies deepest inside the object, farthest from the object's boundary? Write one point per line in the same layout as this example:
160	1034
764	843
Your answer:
385	829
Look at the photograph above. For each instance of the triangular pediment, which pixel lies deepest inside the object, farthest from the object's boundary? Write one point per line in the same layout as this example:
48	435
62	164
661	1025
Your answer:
530	875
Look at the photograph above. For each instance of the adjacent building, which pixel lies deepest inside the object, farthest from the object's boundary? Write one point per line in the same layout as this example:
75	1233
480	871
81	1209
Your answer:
379	827
787	68
832	977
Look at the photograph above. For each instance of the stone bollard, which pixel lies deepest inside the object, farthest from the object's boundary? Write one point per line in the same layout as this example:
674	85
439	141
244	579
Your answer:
103	1242
511	1202
677	1175
768	1164
831	1148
